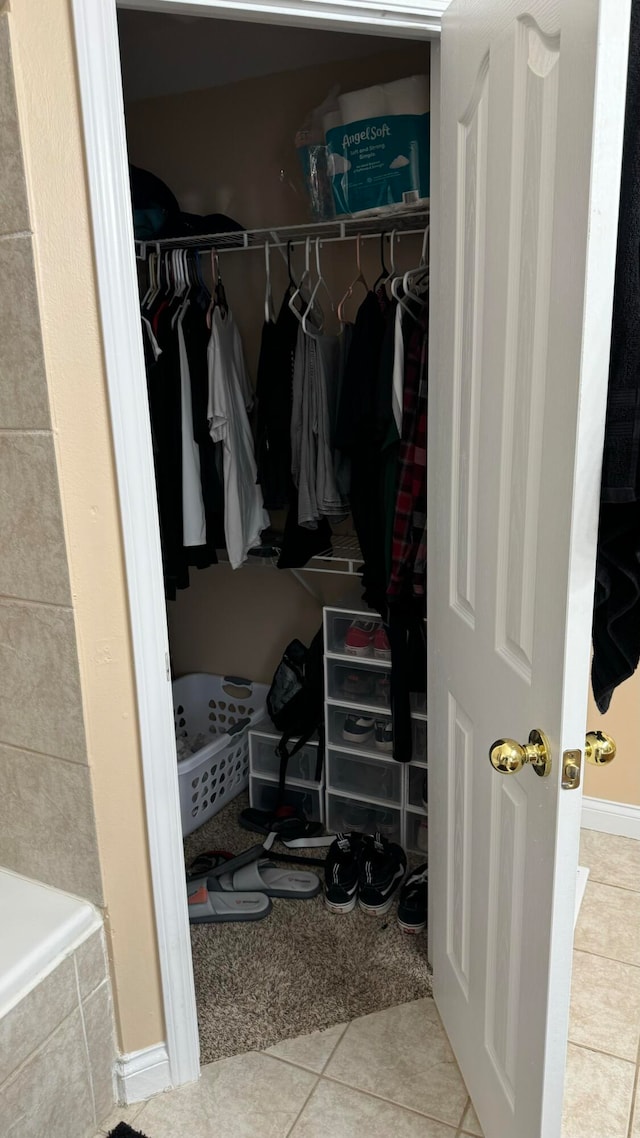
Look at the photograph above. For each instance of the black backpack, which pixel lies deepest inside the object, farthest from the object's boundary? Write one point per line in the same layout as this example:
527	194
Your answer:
296	702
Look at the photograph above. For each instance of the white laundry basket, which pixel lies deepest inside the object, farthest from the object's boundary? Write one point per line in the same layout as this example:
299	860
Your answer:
224	708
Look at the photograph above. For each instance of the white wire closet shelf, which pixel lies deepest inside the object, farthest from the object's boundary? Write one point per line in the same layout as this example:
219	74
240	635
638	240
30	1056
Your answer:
407	222
344	557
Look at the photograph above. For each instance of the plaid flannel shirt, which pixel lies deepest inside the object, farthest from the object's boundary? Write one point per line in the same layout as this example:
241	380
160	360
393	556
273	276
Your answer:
409	544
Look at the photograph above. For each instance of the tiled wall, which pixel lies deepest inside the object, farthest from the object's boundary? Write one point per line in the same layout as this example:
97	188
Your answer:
47	827
56	1051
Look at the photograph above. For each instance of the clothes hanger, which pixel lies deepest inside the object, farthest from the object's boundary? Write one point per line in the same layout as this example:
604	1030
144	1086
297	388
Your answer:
292	283
214	285
384	272
400	285
312	299
304	281
151	269
412	276
204	295
269	313
359	280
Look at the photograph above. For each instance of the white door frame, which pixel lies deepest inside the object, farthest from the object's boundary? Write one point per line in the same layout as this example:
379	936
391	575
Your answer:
98	60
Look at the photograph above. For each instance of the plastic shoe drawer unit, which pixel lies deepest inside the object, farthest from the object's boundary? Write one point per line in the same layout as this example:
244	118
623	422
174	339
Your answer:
363	777
356	684
263	795
345	814
417	790
417	833
360	645
264	759
362	741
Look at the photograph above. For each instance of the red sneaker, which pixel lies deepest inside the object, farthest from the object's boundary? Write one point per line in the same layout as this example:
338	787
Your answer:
381	646
360	637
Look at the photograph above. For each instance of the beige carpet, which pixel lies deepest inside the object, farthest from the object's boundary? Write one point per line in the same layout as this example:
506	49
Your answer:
301	969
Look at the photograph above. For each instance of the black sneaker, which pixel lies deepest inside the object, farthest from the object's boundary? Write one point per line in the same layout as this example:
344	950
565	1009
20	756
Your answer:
341	871
412	906
383	865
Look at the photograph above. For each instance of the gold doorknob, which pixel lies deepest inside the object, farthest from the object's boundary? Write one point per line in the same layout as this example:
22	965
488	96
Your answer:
599	749
509	757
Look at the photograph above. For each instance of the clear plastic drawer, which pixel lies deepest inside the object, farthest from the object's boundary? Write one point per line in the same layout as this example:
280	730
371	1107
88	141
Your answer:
417	789
263	795
344	733
364	777
264	760
345	814
417	838
355	634
356	684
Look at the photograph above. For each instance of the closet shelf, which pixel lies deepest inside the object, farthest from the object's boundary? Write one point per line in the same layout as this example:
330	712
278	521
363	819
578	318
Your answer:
344	557
409	222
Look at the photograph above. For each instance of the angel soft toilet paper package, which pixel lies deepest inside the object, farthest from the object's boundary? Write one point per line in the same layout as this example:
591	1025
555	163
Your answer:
378	155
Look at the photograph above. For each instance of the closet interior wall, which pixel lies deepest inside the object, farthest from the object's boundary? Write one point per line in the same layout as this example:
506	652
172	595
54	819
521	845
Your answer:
230	149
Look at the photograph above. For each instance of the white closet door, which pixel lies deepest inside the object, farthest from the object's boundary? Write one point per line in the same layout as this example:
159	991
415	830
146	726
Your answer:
531	132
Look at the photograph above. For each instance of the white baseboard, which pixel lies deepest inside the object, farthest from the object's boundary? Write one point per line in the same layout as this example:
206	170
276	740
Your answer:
611	817
142	1074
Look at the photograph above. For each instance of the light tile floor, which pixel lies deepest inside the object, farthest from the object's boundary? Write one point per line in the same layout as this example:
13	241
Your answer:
390	1073
604	1029
393	1072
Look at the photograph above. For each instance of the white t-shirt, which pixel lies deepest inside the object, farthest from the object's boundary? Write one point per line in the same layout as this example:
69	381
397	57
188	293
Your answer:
194	526
230	397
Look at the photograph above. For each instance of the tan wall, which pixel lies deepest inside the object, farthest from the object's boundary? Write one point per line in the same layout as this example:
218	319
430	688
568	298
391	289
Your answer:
73	421
47	825
208	146
620	780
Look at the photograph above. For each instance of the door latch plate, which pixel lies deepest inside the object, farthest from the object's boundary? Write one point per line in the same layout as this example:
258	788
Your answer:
571	767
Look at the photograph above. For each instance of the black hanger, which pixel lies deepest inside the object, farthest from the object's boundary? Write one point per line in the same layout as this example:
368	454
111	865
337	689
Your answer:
292	283
384	271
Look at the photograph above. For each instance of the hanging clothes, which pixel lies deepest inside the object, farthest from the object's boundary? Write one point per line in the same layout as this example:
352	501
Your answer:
357	437
407	581
616	619
273	406
197	336
230	398
408	553
194	525
315	375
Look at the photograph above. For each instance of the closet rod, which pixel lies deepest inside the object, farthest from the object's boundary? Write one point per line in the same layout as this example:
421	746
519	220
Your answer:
407	222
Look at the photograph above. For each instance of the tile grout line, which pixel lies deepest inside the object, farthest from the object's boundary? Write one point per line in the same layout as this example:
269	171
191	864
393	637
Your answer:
392	1102
303	1107
598	1051
464	1111
613	959
634	1095
85	1039
601	956
611	884
317	1081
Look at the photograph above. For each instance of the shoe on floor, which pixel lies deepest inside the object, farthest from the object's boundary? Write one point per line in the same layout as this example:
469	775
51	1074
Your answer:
412	906
341	873
383	865
360	636
381	646
358	728
384	735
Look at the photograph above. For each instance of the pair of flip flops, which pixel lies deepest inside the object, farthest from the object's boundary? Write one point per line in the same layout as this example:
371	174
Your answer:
240	888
